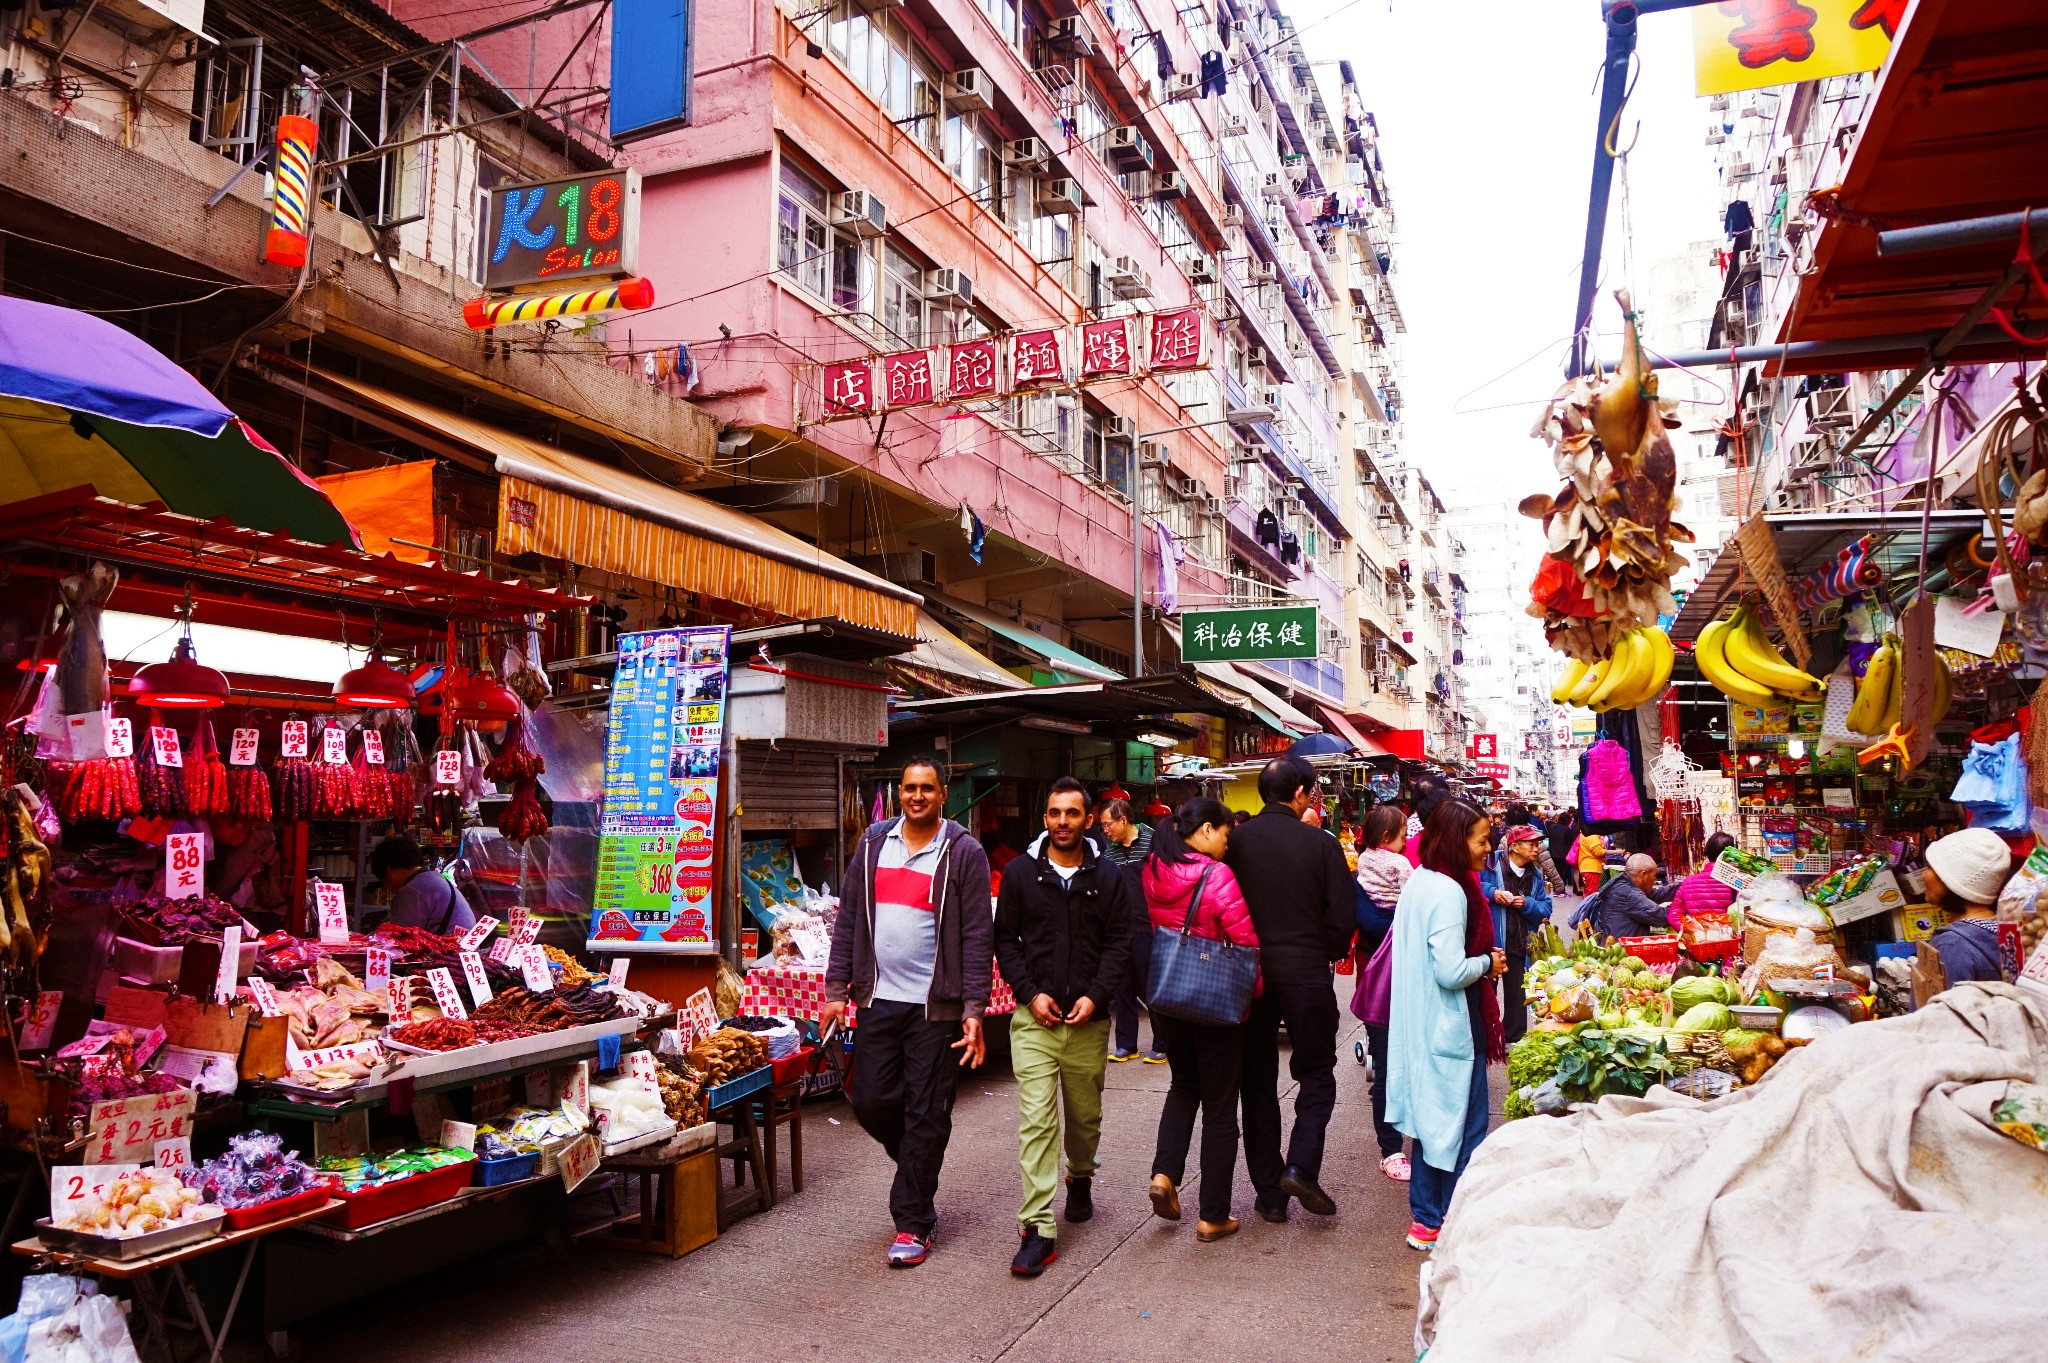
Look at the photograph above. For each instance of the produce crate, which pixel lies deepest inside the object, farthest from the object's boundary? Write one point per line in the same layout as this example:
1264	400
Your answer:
372	1205
732	1090
792	1067
263	1213
1653	950
549	1159
489	1173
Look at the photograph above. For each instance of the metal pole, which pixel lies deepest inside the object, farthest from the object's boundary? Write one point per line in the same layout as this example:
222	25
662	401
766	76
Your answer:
1137	566
1939	236
1803	350
1621	46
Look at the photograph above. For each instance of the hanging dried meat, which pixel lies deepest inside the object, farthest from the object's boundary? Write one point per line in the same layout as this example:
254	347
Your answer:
162	785
522	816
516	758
206	776
293	786
1609	530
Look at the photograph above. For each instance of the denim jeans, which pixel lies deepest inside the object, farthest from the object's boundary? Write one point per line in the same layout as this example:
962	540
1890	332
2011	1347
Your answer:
1430	1188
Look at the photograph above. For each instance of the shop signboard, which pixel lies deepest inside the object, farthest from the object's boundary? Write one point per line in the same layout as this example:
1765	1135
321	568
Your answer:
658	832
579	227
1750	44
1250	634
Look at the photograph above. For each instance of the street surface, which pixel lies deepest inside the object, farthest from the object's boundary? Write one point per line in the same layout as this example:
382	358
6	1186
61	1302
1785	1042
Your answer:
807	1279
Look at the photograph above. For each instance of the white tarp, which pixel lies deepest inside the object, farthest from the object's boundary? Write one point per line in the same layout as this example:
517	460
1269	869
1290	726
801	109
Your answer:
1853	1205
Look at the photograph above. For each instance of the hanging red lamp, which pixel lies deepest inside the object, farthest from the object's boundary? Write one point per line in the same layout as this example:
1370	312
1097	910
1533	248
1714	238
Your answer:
376	685
483	699
182	683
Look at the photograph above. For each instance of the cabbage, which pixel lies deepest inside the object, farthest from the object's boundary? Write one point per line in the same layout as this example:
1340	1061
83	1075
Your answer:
1706	1017
1690	993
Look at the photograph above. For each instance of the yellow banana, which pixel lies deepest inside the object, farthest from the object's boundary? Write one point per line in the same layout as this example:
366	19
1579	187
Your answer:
1944	689
1574	671
1582	694
1751	654
1714	666
1895	693
1662	659
1624	671
1866	715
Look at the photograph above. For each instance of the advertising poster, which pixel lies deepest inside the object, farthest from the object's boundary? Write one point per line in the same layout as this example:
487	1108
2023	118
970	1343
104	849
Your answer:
658	833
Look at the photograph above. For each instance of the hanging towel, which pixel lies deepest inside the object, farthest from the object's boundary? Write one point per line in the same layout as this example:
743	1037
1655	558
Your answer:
1213	80
974	530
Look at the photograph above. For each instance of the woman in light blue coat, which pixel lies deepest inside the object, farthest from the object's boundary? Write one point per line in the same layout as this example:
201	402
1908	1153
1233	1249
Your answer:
1445	1018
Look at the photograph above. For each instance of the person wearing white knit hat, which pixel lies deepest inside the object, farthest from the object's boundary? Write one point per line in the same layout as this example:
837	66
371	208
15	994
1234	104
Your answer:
1964	873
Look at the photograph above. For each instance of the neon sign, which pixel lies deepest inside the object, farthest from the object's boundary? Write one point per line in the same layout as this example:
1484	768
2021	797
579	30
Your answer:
577	228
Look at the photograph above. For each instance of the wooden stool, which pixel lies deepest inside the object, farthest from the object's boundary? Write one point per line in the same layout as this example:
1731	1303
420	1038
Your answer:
783	1105
745	1152
676	1196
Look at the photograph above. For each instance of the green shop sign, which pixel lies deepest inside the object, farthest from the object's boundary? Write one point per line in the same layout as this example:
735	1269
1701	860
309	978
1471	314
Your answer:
1253	634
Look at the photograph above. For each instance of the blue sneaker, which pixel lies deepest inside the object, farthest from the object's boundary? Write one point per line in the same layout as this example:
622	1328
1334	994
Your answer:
1119	1055
1155	1057
908	1250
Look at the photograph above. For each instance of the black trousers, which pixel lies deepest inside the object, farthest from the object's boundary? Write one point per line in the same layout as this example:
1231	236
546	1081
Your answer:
1310	1011
1128	997
1206	1062
1376	1046
1514	1002
901	1092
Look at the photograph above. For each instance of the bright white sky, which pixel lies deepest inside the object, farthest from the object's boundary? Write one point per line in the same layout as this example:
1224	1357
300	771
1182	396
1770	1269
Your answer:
1486	111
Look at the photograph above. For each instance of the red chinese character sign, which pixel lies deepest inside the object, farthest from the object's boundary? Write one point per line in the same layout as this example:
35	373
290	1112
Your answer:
1035	359
907	379
1750	44
971	369
850	386
1176	339
1105	348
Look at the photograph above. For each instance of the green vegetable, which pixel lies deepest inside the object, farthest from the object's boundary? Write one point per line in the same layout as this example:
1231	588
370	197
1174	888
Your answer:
1706	1017
1533	1059
1592	1064
1611	1022
1635	963
1516	1106
1686	994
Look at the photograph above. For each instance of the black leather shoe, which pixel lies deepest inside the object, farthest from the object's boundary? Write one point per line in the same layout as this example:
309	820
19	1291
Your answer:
1307	1191
1034	1256
1276	1212
1080	1199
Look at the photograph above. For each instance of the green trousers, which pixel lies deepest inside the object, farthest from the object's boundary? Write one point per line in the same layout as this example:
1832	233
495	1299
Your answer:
1055	1064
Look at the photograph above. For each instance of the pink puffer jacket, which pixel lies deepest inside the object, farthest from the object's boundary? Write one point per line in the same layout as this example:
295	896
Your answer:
1223	915
1700	893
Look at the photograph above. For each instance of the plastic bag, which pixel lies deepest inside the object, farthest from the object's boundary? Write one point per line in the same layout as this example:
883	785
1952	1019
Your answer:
1703	1084
2020	901
1794	956
1777	901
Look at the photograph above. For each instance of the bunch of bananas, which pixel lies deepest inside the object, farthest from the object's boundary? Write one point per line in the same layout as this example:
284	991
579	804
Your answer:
1636	672
1880	696
1743	665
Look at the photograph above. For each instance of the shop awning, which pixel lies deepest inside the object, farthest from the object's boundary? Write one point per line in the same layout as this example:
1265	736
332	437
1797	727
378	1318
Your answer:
1230	684
1341	725
1061	660
561	505
1076	704
947	657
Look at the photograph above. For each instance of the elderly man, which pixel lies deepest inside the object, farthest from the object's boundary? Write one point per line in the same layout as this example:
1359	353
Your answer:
1513	884
1623	907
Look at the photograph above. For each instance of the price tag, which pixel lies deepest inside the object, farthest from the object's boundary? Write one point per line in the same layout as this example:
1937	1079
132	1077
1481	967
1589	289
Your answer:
334	746
474	938
120	738
265	996
242	748
479	981
447	767
175	1153
533	964
376	968
333	913
578	1161
81	1187
501	950
642	1065
702	1012
576	1086
519	917
540	1088
230	957
373	747
617	973
184	866
41	1022
291	740
525	933
398	998
163	744
369	1052
125	1129
445	996
458	1135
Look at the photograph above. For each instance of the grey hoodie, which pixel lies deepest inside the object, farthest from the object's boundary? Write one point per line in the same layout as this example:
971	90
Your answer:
966	926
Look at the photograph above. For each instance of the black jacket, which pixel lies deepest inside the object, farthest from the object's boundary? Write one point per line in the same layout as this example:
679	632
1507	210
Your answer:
1300	892
1066	938
960	972
1621	909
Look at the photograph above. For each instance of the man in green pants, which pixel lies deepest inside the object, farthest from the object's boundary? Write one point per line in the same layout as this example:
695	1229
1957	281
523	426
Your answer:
1063	937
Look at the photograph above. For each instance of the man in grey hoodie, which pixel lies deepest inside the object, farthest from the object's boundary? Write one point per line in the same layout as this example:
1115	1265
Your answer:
913	948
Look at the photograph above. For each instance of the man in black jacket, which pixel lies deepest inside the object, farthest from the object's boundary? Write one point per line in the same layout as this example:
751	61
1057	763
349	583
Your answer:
912	948
1063	938
1302	901
1623	906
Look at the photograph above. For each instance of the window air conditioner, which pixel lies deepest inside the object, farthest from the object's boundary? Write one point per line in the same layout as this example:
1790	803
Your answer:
968	89
1072	34
1261	272
1233	215
861	211
1255	357
1234	125
1127	148
1168	184
1025	151
949	285
1184	486
1118	428
1183	85
1200	269
1152	454
1060	196
1275	186
1127	278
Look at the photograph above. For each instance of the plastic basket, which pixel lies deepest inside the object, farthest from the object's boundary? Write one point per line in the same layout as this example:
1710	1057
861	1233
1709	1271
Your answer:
371	1205
263	1213
732	1090
791	1068
1652	950
489	1173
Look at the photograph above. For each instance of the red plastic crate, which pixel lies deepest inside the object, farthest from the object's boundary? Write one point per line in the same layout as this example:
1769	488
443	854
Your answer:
793	1067
1652	950
263	1213
372	1205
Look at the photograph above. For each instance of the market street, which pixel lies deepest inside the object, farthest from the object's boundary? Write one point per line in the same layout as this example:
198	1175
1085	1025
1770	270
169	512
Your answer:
1127	1285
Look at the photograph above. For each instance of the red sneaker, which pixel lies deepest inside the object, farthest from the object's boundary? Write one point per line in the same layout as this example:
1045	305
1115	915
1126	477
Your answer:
1421	1237
908	1251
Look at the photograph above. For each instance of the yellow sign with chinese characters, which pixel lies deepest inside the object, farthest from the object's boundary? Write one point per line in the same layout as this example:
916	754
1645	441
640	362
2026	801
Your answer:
1749	44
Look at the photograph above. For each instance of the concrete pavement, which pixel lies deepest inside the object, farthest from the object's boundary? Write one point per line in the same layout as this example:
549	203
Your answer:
807	1279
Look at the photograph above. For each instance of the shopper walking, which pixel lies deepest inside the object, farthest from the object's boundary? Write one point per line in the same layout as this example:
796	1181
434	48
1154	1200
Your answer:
1188	889
1304	909
1591	854
1063	938
1383	872
1564	841
1513	886
1127	843
912	947
1446	1019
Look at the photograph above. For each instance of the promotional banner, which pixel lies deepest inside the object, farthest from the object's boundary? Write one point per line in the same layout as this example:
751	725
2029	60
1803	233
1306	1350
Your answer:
658	832
1752	44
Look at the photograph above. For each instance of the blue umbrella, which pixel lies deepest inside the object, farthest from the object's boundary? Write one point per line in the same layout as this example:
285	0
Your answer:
1319	745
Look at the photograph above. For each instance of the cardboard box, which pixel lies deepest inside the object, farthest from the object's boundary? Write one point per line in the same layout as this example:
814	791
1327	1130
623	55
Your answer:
263	1048
1917	922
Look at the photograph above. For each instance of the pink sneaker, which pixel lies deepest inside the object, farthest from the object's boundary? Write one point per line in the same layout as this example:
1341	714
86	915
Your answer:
1395	1167
1421	1237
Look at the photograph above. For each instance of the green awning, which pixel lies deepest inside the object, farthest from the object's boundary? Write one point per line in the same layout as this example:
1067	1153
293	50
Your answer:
1064	661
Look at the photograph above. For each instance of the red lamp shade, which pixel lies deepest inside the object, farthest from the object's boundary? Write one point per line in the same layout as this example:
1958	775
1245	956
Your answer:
182	683
483	700
1116	792
1158	809
376	685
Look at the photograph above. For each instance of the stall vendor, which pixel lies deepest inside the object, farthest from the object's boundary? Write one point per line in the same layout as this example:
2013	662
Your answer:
1964	873
419	898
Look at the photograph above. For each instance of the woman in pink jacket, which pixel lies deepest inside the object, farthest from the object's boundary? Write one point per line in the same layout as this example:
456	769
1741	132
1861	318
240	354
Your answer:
1186	869
1700	893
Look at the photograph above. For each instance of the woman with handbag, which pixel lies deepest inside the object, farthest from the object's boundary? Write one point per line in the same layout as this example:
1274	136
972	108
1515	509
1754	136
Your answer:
1195	904
1383	871
1445	1016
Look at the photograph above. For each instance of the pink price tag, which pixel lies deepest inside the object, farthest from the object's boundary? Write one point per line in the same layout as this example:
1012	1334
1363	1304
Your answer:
445	996
242	748
447	767
533	965
366	1051
120	738
265	996
398	998
501	949
479	980
184	866
230	956
41	1023
163	744
291	741
373	747
333	913
475	937
376	967
334	745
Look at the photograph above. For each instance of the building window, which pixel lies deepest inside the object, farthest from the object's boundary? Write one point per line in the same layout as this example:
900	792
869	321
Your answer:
903	308
803	236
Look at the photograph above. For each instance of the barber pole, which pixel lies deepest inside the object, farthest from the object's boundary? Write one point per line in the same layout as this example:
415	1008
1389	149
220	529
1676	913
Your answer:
292	197
485	313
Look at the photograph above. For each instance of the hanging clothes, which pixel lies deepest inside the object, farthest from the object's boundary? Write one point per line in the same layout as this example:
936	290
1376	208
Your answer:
1214	82
1267	528
1290	547
1165	57
1222	29
1169	568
